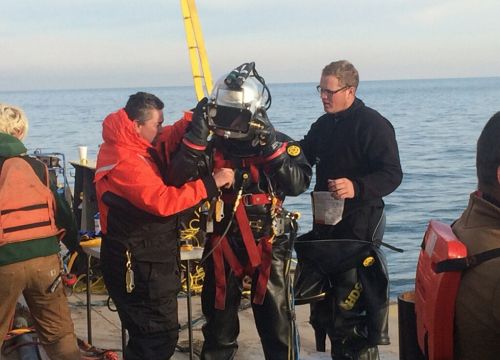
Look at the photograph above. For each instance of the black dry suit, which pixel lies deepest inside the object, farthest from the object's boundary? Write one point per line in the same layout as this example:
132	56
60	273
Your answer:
344	259
350	279
254	238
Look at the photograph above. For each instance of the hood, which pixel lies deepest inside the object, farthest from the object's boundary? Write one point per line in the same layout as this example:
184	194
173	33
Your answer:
118	130
11	146
121	141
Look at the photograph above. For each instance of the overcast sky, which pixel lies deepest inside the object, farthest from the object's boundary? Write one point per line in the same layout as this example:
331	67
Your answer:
73	44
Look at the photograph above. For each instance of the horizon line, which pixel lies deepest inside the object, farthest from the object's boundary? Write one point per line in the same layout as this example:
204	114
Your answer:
271	83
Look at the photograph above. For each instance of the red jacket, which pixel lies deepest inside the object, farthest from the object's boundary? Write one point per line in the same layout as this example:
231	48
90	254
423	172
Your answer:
126	168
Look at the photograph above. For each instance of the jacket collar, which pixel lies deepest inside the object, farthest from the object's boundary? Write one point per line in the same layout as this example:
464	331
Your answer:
491	199
481	212
11	146
357	104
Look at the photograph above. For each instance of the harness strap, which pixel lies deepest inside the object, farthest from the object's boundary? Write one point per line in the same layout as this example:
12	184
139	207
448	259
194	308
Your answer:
266	248
219	273
465	263
247	235
254	173
224	252
249	199
221	253
259	257
220	162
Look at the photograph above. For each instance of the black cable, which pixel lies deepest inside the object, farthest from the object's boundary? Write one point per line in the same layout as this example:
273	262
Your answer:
267	105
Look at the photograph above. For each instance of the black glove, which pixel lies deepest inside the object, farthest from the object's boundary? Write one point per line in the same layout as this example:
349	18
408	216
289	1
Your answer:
266	135
198	129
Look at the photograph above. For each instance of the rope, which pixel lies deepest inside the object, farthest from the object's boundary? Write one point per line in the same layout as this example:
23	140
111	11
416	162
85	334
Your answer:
195	279
96	287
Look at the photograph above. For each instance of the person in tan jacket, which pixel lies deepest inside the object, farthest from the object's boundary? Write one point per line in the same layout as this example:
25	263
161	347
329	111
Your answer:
33	217
477	313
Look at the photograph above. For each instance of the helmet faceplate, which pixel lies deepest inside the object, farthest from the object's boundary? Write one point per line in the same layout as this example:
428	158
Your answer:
230	111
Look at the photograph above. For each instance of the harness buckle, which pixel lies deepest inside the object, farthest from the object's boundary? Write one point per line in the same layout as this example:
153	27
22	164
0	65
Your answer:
256	225
278	225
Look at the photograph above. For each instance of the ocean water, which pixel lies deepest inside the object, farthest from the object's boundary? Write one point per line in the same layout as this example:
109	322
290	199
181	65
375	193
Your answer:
437	124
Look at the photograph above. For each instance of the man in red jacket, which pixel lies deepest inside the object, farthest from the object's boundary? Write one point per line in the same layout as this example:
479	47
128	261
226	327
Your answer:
140	218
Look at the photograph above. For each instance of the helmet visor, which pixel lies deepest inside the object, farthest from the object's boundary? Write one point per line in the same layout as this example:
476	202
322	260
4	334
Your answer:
228	118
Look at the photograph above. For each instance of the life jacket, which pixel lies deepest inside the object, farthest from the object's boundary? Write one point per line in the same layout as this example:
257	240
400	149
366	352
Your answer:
27	205
259	250
442	260
435	293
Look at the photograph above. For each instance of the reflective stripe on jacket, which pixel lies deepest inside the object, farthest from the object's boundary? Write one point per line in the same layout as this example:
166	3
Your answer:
27	205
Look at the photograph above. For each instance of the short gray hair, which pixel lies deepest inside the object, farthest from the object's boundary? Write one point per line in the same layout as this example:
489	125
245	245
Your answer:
344	71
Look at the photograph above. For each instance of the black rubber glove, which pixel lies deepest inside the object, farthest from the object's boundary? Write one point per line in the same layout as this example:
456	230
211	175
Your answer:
266	135
198	129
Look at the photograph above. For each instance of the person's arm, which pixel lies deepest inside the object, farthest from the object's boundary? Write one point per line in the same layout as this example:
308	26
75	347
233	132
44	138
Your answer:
288	166
189	162
141	184
171	136
283	158
309	142
382	154
65	220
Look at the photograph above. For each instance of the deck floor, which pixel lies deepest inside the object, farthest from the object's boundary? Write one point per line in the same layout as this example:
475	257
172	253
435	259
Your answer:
106	329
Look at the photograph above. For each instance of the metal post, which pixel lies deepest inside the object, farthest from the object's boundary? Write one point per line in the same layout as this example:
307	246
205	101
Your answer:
190	320
124	340
89	315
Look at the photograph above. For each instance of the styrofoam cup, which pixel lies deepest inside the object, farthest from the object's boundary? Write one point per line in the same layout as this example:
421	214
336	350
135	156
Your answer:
82	150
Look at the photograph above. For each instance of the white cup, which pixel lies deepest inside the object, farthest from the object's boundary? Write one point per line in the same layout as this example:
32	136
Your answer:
82	150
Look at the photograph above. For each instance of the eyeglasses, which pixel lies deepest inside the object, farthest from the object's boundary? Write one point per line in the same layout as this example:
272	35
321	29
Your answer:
329	93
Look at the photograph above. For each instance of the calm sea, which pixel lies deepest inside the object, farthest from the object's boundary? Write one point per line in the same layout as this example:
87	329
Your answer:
437	124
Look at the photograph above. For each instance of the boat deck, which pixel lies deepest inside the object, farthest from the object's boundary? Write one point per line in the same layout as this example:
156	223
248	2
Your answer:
106	330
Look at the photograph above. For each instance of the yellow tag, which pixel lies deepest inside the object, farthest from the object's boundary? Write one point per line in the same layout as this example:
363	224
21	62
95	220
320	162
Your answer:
293	150
369	261
219	210
352	298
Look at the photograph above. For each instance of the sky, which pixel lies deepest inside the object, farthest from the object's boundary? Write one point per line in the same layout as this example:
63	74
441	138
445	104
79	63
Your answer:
80	44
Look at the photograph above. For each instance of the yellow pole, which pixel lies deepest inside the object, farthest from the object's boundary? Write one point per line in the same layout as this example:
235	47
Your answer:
200	67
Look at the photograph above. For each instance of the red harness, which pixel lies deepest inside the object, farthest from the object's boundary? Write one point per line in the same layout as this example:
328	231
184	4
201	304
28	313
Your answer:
259	254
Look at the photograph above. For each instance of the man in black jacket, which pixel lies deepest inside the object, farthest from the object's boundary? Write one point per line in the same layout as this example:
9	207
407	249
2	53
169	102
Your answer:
357	161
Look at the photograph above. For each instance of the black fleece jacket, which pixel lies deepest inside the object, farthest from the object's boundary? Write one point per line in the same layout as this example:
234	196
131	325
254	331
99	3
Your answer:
359	144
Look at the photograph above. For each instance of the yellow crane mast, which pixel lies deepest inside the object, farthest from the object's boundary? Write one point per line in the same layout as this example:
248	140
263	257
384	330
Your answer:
200	67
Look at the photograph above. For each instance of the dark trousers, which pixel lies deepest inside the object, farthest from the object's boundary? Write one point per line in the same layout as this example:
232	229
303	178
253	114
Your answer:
149	313
273	319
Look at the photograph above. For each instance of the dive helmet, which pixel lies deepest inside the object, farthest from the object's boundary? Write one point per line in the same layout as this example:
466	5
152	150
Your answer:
236	103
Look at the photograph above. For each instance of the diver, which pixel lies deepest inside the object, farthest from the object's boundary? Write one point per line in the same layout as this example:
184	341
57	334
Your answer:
249	233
